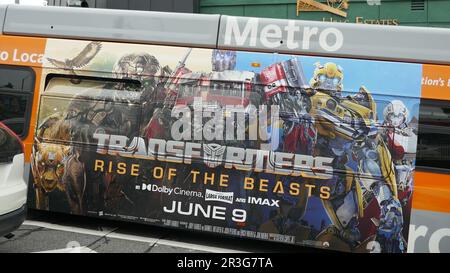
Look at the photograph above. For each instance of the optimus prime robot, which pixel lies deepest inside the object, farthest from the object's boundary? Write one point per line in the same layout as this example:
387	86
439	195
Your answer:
286	88
318	120
213	91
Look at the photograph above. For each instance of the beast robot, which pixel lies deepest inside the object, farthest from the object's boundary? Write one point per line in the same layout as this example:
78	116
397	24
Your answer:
90	112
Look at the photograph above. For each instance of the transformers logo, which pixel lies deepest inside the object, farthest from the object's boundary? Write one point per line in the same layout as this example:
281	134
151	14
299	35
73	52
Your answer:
213	154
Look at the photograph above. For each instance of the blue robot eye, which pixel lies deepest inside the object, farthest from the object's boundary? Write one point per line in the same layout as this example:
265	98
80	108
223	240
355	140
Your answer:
335	81
322	78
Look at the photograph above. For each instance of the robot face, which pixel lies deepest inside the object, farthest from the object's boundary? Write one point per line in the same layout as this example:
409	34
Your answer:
223	60
140	66
329	77
396	120
329	83
395	113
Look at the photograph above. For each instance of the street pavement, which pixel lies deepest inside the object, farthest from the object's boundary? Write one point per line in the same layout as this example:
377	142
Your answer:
61	233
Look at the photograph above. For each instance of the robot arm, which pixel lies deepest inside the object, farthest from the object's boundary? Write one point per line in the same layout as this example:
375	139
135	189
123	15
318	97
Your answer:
391	219
283	84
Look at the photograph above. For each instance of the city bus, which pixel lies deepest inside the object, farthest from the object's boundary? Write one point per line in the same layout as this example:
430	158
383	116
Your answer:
325	135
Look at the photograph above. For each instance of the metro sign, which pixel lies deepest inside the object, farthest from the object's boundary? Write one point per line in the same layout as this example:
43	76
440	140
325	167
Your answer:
333	6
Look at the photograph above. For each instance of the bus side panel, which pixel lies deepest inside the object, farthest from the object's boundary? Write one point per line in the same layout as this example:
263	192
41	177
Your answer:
436	82
25	52
318	160
430	216
429	232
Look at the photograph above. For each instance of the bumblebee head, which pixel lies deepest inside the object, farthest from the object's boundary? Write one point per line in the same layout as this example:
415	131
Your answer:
332	70
328	77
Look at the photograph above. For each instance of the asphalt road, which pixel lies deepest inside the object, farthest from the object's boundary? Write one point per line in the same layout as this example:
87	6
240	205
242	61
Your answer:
53	232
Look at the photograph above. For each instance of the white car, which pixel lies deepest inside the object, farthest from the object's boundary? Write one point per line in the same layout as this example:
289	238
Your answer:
13	187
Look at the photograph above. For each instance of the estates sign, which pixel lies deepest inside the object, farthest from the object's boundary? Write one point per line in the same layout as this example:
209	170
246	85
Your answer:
340	8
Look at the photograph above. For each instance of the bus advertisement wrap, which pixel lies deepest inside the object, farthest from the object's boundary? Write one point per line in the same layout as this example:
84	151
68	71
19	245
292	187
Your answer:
299	149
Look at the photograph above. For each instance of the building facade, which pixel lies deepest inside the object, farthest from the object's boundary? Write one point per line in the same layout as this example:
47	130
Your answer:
431	13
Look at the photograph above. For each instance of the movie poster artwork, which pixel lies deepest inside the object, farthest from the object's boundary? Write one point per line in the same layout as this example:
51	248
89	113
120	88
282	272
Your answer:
298	149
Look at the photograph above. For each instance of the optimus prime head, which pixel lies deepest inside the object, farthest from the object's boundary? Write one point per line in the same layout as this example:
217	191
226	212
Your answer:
136	66
223	60
395	114
327	77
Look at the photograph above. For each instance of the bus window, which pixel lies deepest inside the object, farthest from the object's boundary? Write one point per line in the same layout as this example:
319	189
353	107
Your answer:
433	147
75	110
16	95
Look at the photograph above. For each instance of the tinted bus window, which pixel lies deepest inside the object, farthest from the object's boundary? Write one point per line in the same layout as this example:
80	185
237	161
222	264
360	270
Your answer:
82	108
16	94
433	147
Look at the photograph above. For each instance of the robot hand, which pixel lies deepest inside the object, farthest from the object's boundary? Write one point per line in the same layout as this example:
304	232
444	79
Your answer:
390	228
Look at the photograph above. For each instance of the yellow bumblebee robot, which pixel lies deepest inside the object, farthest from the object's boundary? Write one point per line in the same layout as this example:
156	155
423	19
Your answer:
347	131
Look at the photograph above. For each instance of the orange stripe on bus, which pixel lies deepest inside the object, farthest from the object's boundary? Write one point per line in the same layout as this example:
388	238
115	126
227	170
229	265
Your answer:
436	82
431	192
28	52
24	51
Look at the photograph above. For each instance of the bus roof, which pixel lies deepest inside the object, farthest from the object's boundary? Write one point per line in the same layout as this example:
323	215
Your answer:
112	25
396	43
